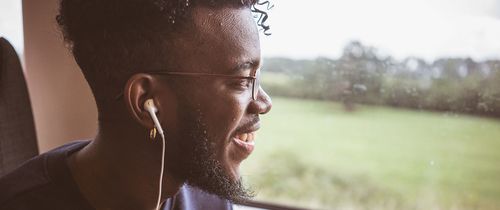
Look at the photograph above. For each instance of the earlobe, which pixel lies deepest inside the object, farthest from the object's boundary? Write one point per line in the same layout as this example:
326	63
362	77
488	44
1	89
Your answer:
138	89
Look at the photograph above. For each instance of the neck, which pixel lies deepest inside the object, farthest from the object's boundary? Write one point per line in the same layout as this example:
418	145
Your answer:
120	169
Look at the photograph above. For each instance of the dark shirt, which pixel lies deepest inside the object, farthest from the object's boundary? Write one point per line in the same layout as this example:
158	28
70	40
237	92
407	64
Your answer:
45	182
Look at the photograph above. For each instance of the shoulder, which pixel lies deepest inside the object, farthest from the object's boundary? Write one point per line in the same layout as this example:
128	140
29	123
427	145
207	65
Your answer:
33	182
31	175
191	198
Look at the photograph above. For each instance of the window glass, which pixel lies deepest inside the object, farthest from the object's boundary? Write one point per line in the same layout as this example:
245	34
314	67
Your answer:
380	105
11	24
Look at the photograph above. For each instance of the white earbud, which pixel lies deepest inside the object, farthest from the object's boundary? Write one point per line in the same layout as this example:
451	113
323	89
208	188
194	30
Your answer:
149	105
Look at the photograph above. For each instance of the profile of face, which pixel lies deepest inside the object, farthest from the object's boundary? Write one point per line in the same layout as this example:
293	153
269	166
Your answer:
216	118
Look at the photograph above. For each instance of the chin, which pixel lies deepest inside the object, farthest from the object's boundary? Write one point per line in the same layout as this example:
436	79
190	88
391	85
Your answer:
219	173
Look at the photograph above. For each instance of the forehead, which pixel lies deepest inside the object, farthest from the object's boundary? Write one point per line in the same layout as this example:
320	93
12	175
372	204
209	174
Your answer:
222	36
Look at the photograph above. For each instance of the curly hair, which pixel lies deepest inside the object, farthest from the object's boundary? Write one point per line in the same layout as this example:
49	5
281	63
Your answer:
112	39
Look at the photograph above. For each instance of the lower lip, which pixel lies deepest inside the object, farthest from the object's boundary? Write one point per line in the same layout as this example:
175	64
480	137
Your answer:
245	148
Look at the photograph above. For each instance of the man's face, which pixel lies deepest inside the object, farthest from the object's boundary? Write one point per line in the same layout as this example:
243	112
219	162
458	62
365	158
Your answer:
216	117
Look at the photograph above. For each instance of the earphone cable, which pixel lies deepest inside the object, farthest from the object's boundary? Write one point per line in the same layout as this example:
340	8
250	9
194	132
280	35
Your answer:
158	203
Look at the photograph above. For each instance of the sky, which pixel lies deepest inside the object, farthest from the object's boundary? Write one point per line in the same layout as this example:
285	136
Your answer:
423	28
428	29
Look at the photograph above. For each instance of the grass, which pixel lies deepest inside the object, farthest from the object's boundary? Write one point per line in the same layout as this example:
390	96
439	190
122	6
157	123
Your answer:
314	154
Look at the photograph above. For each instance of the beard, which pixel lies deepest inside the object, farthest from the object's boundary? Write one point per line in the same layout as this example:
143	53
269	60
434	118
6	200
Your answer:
196	159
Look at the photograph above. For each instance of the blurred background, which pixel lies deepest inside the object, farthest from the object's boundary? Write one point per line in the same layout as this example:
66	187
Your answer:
389	104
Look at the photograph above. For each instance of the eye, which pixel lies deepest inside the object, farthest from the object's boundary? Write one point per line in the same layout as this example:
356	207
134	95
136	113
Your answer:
240	84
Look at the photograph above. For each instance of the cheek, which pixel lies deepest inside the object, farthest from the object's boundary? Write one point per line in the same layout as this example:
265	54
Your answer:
223	113
226	117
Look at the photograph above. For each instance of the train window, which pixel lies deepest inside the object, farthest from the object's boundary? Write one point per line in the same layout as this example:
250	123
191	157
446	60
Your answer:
11	24
381	105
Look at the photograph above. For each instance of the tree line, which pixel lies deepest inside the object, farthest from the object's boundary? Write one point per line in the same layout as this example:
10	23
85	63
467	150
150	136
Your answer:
363	76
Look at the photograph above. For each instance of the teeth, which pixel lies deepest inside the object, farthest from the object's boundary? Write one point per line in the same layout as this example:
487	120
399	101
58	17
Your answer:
251	136
244	137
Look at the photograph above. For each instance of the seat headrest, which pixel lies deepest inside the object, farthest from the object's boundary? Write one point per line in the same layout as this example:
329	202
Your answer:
17	132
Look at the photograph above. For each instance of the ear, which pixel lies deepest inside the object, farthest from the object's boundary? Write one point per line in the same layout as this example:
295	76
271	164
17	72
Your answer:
139	88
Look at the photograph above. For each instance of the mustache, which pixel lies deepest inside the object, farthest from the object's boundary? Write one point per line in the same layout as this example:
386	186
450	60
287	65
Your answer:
248	126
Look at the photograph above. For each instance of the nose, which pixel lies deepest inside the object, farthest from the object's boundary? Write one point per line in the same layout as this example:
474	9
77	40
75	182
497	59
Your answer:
262	104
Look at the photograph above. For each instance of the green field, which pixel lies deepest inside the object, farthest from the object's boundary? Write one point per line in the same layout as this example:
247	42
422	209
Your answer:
314	154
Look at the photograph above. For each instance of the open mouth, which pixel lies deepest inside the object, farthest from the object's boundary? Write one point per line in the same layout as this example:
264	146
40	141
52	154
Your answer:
245	142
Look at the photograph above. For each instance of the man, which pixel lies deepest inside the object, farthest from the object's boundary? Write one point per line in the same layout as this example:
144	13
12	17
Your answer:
199	62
